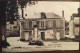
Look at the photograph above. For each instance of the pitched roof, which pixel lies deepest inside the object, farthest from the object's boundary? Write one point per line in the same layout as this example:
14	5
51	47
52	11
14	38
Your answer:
52	15
48	15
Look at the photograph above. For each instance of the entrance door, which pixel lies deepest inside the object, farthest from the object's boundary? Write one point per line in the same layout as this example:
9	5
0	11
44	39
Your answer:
26	35
43	35
58	35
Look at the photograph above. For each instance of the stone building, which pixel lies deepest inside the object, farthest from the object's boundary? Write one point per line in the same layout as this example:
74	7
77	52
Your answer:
74	25
12	29
46	27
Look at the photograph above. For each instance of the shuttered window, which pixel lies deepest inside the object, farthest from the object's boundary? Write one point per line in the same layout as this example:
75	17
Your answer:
76	30
27	24
54	23
58	23
50	24
61	23
33	23
42	25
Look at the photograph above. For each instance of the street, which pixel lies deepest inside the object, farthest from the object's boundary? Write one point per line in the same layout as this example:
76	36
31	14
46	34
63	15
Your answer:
18	46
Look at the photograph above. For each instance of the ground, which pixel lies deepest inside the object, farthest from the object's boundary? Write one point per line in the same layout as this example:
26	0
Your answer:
18	46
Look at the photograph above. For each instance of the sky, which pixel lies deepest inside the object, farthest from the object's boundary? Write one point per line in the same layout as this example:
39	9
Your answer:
55	7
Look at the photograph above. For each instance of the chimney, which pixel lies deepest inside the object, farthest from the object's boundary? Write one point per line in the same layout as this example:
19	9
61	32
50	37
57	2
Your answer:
43	15
78	11
62	13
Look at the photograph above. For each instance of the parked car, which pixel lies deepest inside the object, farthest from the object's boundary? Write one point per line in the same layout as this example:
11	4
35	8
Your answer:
36	42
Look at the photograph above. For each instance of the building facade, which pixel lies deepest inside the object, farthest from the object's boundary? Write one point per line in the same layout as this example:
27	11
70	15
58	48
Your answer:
12	29
74	25
42	28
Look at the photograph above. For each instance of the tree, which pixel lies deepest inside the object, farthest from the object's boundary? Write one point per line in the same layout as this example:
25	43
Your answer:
3	18
22	4
9	12
3	22
12	9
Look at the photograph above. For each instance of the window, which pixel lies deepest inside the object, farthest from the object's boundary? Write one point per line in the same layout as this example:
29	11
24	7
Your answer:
42	25
50	24
43	15
27	24
25	14
7	29
54	23
10	27
34	23
57	23
76	20
61	23
15	27
22	23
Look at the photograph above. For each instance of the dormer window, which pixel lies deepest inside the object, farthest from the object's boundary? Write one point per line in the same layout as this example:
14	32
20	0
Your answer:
43	15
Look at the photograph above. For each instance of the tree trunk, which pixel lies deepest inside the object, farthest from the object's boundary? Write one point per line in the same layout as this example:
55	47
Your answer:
4	33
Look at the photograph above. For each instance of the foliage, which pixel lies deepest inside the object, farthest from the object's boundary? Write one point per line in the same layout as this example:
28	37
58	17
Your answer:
12	9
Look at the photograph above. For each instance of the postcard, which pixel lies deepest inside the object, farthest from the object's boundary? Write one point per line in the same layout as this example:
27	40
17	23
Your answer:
40	26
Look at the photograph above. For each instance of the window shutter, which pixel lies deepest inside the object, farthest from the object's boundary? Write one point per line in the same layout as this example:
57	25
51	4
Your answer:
50	24
58	23
54	23
61	23
30	24
27	24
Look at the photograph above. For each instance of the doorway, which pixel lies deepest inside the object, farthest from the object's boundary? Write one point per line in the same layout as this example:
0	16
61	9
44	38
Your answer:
26	34
43	35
